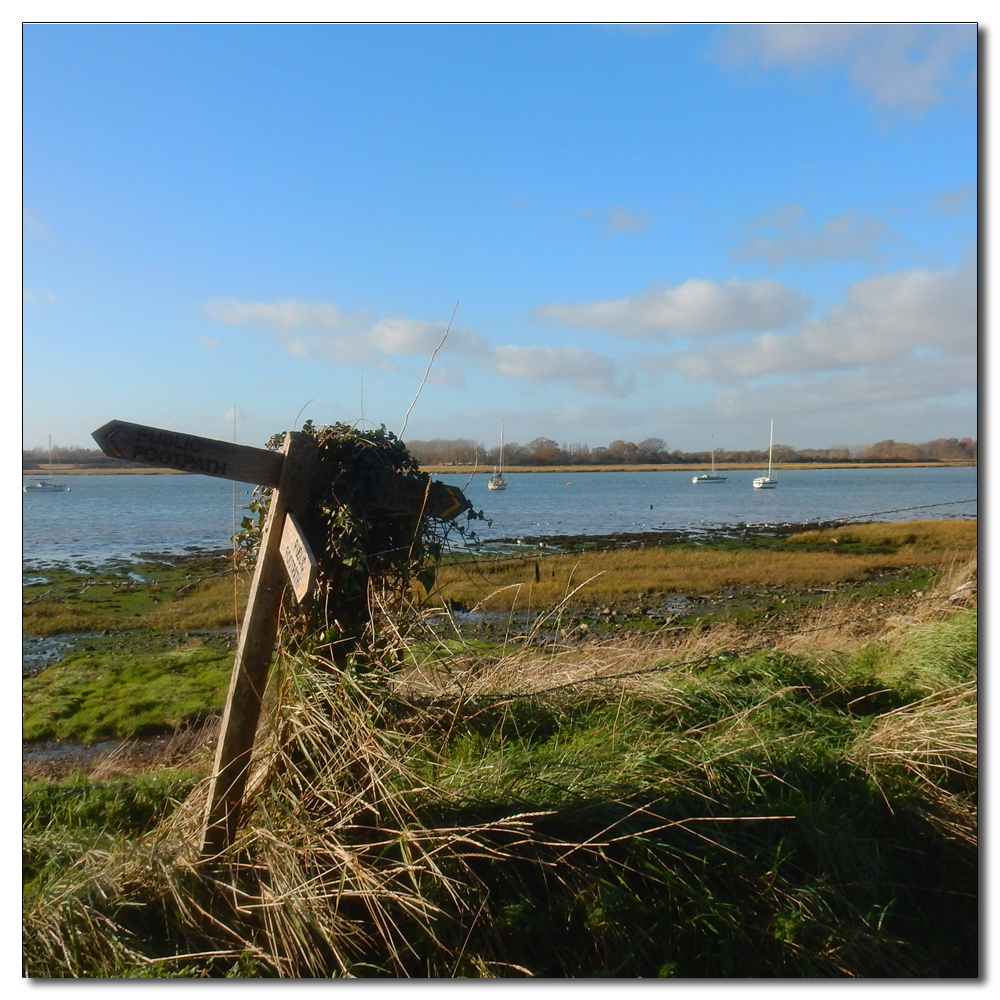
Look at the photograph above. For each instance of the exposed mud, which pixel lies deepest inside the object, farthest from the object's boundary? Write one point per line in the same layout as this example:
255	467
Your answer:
39	652
644	539
57	759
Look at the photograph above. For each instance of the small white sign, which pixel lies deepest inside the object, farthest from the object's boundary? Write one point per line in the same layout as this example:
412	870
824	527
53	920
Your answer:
299	560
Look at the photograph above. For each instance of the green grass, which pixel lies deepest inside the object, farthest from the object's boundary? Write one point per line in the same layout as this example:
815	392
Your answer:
61	819
90	696
127	805
719	800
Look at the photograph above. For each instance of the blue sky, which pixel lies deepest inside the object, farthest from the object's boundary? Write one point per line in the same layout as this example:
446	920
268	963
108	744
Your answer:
674	232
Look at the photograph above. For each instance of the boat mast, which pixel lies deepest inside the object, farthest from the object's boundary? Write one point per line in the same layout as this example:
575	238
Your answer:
770	448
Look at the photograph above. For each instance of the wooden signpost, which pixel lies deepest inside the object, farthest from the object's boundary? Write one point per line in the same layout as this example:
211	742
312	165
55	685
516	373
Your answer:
284	556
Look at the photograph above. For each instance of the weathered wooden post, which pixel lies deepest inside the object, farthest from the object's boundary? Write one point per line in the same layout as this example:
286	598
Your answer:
284	555
256	646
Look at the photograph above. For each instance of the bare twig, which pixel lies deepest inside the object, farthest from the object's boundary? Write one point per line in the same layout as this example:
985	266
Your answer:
426	373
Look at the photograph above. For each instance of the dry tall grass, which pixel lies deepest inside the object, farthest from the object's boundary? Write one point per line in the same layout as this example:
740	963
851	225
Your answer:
524	583
937	536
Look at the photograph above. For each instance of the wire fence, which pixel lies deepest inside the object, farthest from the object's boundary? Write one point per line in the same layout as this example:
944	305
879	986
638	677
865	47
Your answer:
671	533
729	652
903	510
492	700
725	653
474	559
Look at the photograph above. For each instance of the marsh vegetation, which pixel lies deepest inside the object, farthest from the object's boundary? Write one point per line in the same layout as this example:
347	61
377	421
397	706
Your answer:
777	779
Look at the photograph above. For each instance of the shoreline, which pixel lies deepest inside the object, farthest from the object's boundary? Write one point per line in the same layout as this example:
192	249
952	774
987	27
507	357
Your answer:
91	471
549	544
465	470
469	470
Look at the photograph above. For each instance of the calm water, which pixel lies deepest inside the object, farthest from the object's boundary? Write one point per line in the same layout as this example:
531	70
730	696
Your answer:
104	517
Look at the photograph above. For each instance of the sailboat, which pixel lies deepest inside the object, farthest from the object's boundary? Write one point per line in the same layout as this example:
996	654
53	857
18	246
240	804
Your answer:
706	477
497	480
46	485
766	482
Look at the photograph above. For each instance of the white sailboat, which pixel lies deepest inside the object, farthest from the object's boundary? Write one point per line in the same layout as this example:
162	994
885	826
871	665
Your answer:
706	477
766	482
46	485
497	480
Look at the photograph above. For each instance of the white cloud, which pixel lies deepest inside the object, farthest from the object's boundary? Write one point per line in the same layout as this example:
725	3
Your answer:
623	220
913	400
320	330
920	402
909	67
451	377
799	45
846	237
694	307
780	216
286	315
955	202
29	297
585	369
884	320
399	335
209	342
859	399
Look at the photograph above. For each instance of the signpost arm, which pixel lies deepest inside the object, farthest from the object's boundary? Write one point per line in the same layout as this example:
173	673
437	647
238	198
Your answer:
256	646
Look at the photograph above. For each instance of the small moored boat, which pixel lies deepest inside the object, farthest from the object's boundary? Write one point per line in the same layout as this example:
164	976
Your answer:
767	482
497	480
46	485
711	477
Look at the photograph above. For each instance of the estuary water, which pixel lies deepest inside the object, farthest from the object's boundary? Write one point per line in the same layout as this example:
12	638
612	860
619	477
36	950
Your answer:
104	517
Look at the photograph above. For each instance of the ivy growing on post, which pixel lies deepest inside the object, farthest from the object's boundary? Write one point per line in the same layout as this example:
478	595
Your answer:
369	555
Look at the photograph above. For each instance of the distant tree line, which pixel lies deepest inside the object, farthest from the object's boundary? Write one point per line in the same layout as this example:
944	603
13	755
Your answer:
544	451
654	451
94	458
942	450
